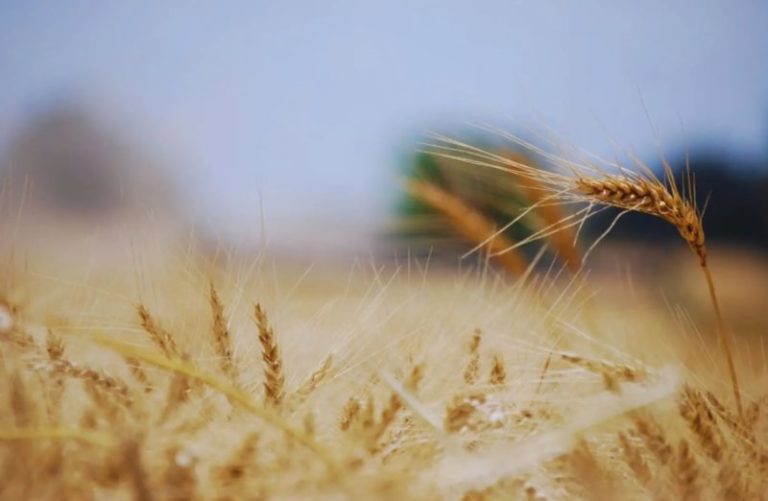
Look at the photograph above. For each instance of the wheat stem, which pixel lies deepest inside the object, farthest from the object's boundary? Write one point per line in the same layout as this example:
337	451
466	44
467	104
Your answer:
725	336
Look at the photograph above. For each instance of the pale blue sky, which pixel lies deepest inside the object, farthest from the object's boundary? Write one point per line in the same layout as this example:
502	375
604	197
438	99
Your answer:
310	103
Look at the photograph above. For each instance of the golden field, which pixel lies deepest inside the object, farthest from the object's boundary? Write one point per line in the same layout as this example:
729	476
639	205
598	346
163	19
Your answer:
158	378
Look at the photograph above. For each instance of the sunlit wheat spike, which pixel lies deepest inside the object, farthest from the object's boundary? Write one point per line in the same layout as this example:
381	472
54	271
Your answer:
274	379
161	337
643	195
221	334
630	190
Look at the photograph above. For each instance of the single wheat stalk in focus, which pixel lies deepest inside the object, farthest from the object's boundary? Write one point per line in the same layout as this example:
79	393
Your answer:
629	190
664	200
649	196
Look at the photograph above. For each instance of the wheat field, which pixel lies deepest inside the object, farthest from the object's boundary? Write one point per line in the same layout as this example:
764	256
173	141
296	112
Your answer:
247	380
166	372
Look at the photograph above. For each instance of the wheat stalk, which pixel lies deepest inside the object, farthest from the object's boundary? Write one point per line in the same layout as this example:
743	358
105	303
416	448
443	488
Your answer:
274	379
161	337
469	223
651	196
632	191
234	394
221	335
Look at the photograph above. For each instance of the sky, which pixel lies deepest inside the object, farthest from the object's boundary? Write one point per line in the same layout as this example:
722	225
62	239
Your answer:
299	113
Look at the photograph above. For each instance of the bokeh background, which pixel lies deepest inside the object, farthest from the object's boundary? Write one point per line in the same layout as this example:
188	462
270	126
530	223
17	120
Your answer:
292	122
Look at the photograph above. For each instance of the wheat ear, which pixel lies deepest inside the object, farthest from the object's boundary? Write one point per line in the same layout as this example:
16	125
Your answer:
162	338
630	191
274	380
221	334
651	196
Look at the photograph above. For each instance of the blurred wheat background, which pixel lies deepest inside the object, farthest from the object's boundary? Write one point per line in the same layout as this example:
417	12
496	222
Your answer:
251	250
